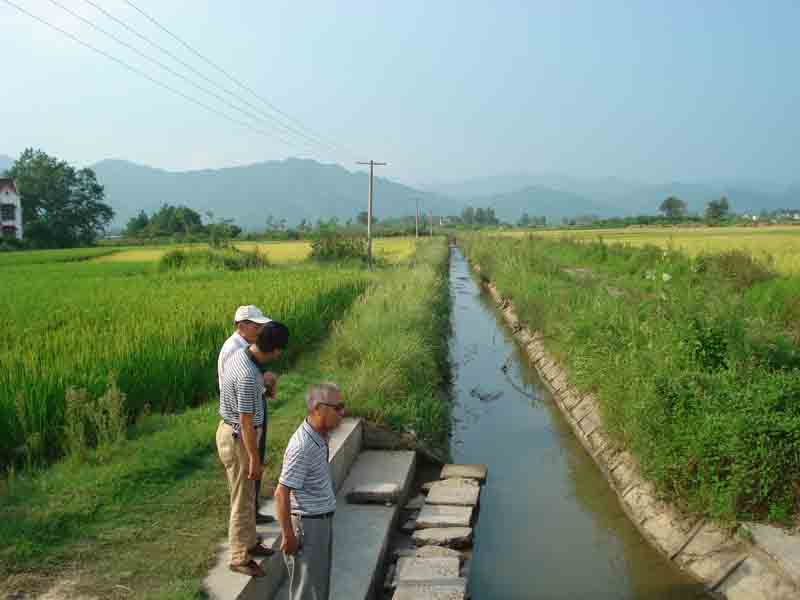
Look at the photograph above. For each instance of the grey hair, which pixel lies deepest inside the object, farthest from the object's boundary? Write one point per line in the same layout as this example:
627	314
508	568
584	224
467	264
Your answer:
319	392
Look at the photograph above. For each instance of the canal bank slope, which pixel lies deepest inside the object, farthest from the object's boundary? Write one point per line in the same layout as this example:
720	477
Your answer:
755	561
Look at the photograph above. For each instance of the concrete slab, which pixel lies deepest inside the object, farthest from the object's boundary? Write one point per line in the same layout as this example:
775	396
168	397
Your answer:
753	581
423	569
416	502
433	590
452	537
783	547
345	443
444	516
457	495
375	493
437	551
478	472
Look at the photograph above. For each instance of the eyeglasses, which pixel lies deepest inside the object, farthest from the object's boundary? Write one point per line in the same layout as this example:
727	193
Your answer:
339	407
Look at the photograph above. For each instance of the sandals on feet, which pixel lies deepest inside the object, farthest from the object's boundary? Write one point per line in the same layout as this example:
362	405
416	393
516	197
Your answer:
251	568
261	550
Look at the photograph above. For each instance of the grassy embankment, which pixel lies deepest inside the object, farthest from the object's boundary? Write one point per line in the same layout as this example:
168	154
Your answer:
141	517
695	361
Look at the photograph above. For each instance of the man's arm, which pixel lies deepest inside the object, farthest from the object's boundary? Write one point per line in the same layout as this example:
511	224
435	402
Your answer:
250	444
289	541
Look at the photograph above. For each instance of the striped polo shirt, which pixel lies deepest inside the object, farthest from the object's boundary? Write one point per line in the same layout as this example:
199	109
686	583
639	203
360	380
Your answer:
307	472
231	345
242	390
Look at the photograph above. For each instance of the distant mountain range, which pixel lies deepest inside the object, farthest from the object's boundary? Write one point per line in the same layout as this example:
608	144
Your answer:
291	189
295	189
613	196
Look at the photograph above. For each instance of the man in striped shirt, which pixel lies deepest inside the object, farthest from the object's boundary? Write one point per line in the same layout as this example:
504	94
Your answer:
249	321
305	499
243	417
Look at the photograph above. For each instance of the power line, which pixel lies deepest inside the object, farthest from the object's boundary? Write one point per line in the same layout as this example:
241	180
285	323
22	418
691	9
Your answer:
229	76
166	67
143	74
286	128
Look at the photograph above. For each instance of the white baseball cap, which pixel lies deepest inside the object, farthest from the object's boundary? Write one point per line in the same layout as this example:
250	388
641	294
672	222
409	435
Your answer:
250	313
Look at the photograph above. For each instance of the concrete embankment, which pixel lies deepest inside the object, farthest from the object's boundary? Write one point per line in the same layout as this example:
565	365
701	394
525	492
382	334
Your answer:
752	562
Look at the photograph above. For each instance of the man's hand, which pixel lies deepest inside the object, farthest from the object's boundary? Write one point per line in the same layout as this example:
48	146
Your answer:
271	384
289	543
255	470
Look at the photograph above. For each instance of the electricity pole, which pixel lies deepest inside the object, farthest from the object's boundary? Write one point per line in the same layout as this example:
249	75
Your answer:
416	223
371	164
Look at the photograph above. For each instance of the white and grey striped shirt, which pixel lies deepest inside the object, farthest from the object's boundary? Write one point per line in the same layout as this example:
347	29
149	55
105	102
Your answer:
242	390
231	345
307	472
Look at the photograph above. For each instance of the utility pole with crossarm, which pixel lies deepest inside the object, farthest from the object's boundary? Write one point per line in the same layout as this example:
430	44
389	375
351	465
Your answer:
371	164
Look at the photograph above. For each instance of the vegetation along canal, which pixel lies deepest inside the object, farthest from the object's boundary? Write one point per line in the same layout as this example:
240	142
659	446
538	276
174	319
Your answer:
550	527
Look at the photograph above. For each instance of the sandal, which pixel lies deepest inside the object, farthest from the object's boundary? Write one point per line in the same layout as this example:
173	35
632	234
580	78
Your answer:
260	550
251	568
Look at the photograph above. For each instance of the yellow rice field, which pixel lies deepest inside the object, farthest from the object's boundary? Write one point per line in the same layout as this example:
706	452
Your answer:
390	249
776	245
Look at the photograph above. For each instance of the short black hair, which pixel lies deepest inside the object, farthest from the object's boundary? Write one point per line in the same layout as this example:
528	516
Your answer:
273	335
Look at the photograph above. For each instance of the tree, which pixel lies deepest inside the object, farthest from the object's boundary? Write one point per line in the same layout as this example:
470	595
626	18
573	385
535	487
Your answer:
362	217
137	225
717	209
673	208
61	206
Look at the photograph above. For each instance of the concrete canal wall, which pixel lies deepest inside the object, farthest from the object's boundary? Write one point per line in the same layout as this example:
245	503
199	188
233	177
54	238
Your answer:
751	563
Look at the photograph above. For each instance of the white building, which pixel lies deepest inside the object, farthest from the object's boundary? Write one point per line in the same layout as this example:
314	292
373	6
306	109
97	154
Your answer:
10	210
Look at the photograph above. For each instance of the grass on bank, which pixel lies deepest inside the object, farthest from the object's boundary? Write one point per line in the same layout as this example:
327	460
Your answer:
695	362
142	518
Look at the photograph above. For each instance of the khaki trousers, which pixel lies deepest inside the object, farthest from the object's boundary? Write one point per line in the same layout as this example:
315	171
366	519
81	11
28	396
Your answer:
242	524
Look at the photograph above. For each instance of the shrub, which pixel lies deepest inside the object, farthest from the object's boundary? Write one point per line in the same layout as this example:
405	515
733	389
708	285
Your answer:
736	266
225	259
337	246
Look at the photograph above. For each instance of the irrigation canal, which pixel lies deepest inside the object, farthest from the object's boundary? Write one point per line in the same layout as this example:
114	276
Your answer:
550	527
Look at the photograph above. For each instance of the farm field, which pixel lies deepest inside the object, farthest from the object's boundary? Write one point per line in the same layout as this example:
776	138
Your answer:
157	333
390	249
156	500
777	246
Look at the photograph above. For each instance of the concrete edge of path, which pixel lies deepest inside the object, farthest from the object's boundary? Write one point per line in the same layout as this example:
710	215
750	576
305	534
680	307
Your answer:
762	564
223	584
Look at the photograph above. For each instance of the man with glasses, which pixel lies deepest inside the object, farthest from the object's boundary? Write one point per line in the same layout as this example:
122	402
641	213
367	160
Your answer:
305	499
249	321
244	418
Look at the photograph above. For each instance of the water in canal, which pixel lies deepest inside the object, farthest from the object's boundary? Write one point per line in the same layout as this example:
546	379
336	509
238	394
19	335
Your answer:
550	527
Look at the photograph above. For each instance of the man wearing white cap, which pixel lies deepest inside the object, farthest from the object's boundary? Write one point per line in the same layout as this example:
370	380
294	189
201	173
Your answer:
249	321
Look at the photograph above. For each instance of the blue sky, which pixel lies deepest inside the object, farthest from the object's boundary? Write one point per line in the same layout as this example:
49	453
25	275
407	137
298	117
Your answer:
443	91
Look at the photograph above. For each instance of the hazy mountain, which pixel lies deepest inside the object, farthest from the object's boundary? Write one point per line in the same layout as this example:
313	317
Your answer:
5	163
541	201
623	197
291	189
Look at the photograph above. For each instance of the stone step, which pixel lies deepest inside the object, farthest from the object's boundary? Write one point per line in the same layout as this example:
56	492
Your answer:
223	584
361	532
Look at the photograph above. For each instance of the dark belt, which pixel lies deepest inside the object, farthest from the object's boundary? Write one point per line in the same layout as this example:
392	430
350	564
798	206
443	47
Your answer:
327	515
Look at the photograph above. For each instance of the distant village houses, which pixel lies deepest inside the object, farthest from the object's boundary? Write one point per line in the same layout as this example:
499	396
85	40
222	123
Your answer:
10	210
